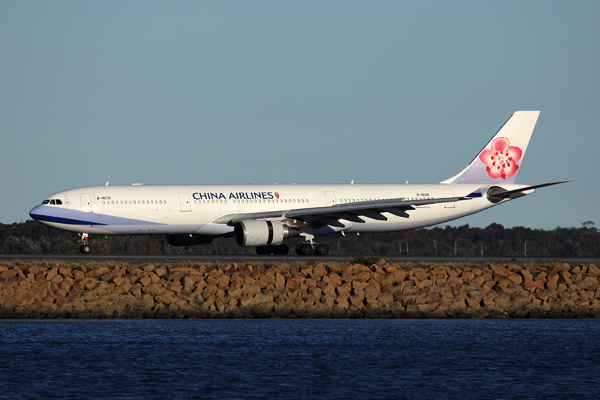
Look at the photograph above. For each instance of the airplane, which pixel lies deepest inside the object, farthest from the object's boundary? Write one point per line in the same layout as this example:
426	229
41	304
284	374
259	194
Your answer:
263	216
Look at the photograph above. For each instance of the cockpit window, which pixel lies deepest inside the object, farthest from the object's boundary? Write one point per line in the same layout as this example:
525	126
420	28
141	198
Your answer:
53	201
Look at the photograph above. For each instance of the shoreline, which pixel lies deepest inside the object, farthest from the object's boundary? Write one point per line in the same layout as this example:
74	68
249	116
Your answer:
310	290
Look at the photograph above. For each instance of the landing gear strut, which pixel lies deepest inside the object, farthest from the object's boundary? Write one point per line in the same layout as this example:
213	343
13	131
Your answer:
85	245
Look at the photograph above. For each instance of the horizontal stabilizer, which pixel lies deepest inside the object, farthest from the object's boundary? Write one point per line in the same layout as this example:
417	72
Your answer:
511	193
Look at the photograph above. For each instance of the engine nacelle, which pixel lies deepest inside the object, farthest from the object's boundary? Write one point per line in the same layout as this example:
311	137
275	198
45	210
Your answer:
254	233
187	240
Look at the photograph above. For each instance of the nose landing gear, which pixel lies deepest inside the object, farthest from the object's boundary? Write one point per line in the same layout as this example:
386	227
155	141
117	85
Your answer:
85	245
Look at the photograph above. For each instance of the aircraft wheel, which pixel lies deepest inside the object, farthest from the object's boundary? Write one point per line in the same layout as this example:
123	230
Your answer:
264	250
85	248
306	249
281	250
322	250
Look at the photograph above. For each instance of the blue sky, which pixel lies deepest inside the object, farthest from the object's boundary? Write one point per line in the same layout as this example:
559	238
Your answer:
306	92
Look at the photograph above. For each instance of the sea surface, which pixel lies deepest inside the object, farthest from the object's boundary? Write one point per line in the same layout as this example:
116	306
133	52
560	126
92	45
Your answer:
303	359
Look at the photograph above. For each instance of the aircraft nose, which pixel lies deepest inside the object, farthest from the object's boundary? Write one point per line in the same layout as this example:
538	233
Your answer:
35	212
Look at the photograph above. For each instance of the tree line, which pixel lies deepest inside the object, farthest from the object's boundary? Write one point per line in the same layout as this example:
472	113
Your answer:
492	241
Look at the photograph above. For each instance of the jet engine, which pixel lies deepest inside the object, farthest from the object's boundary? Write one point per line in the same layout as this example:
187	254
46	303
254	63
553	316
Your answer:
253	233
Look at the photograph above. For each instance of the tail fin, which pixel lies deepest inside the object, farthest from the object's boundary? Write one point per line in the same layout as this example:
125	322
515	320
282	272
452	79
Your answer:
500	159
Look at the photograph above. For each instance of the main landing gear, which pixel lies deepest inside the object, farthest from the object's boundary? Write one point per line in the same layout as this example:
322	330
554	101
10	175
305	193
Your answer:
85	245
303	249
278	250
308	249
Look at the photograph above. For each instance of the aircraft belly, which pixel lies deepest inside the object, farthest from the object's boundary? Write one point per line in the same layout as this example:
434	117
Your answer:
214	229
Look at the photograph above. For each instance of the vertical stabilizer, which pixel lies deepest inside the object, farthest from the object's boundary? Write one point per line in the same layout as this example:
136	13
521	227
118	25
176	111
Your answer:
501	158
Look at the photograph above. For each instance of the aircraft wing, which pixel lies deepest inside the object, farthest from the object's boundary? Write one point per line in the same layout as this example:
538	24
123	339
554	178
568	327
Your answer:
321	216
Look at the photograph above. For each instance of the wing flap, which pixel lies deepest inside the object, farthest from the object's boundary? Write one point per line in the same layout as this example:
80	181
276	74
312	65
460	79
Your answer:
373	214
399	212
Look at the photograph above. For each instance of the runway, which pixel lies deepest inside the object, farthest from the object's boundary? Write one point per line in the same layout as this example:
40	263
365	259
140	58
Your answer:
241	258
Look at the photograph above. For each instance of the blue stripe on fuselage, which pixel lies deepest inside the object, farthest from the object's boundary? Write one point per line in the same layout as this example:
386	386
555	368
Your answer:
75	217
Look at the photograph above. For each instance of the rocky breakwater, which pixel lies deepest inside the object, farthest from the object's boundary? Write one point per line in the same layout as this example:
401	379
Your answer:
304	291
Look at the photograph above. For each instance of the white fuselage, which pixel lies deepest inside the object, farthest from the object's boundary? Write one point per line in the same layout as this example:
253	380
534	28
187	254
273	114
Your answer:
194	209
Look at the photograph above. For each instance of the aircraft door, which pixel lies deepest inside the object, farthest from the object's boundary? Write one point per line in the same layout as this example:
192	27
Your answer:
184	202
86	202
449	193
330	198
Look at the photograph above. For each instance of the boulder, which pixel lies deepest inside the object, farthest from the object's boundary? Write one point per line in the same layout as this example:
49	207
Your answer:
362	276
477	282
588	283
330	290
328	301
399	274
145	280
248	289
223	282
593	270
419	273
371	292
279	281
515	278
319	270
552	282
343	290
468	276
385	299
359	286
335	279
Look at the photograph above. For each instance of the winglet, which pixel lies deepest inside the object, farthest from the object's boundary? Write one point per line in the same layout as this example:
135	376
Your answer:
501	158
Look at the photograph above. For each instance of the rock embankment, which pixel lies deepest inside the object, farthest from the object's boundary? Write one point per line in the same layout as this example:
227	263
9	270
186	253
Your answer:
306	291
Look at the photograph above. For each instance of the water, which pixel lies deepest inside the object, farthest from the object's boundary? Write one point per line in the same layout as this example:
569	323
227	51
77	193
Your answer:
463	359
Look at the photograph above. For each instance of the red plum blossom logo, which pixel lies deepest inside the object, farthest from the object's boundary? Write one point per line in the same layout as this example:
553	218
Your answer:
276	195
501	160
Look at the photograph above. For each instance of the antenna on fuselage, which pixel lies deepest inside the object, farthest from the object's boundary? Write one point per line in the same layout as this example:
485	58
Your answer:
106	183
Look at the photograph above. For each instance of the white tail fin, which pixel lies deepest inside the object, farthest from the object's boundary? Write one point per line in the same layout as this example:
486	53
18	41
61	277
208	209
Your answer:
500	159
